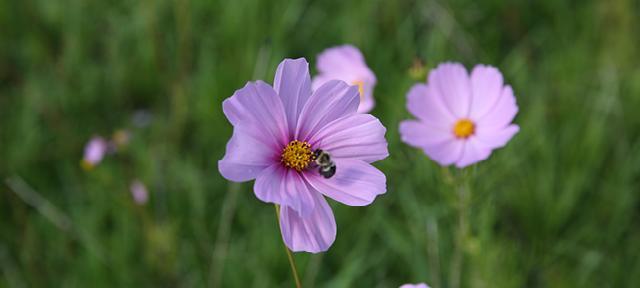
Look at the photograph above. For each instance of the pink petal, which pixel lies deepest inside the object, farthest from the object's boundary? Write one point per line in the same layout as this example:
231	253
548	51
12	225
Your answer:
139	192
95	150
451	83
421	135
419	285
335	99
440	145
367	102
496	138
445	153
293	84
314	233
346	63
502	113
473	152
426	104
321	79
486	86
246	155
356	183
285	187
339	58
258	106
359	136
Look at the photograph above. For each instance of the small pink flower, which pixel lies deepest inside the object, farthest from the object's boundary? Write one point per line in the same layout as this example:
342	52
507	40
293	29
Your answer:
276	133
346	63
461	118
94	151
139	192
419	285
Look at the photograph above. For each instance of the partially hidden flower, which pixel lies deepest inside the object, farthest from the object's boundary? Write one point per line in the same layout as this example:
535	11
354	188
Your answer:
419	285
346	63
277	134
139	192
461	117
94	152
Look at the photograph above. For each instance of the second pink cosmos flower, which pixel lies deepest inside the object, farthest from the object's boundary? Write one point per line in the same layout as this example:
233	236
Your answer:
276	132
461	117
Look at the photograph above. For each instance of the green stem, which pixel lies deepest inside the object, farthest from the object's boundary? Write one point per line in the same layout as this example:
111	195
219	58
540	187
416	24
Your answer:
463	192
292	262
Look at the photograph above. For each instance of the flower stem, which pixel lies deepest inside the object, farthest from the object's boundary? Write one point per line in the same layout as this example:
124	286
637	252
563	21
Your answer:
292	262
462	187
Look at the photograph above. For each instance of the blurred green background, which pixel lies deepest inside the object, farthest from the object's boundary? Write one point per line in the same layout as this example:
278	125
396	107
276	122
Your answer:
558	207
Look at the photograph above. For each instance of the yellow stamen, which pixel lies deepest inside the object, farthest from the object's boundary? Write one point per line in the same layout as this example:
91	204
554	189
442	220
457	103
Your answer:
297	155
360	85
464	128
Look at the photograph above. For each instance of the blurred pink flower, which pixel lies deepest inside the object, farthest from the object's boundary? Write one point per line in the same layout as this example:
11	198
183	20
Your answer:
139	192
276	131
346	63
94	151
461	117
419	285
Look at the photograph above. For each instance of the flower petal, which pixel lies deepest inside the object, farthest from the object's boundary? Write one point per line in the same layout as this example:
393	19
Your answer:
427	104
419	285
445	153
359	136
258	105
341	58
246	155
367	102
293	84
321	79
356	183
335	99
284	186
502	113
440	145
346	63
486	87
422	135
451	81
496	138
473	152
314	233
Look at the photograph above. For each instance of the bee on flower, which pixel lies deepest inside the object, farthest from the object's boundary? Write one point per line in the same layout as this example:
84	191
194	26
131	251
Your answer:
302	145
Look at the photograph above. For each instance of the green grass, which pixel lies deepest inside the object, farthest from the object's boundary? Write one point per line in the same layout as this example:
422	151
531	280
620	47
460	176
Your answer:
558	207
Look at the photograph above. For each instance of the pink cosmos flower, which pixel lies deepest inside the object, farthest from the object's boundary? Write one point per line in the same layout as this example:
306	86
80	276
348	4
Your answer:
419	285
139	192
94	151
346	63
276	132
461	117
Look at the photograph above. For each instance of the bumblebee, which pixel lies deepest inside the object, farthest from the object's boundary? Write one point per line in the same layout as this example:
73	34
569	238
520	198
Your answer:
326	167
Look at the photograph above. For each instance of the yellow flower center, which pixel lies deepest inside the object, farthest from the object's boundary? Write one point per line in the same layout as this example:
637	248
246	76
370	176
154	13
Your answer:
297	155
360	85
464	128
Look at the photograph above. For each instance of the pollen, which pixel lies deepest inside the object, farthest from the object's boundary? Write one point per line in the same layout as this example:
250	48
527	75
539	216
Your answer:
464	128
360	85
297	155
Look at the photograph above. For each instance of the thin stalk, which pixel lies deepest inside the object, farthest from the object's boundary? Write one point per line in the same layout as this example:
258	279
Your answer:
462	187
292	262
